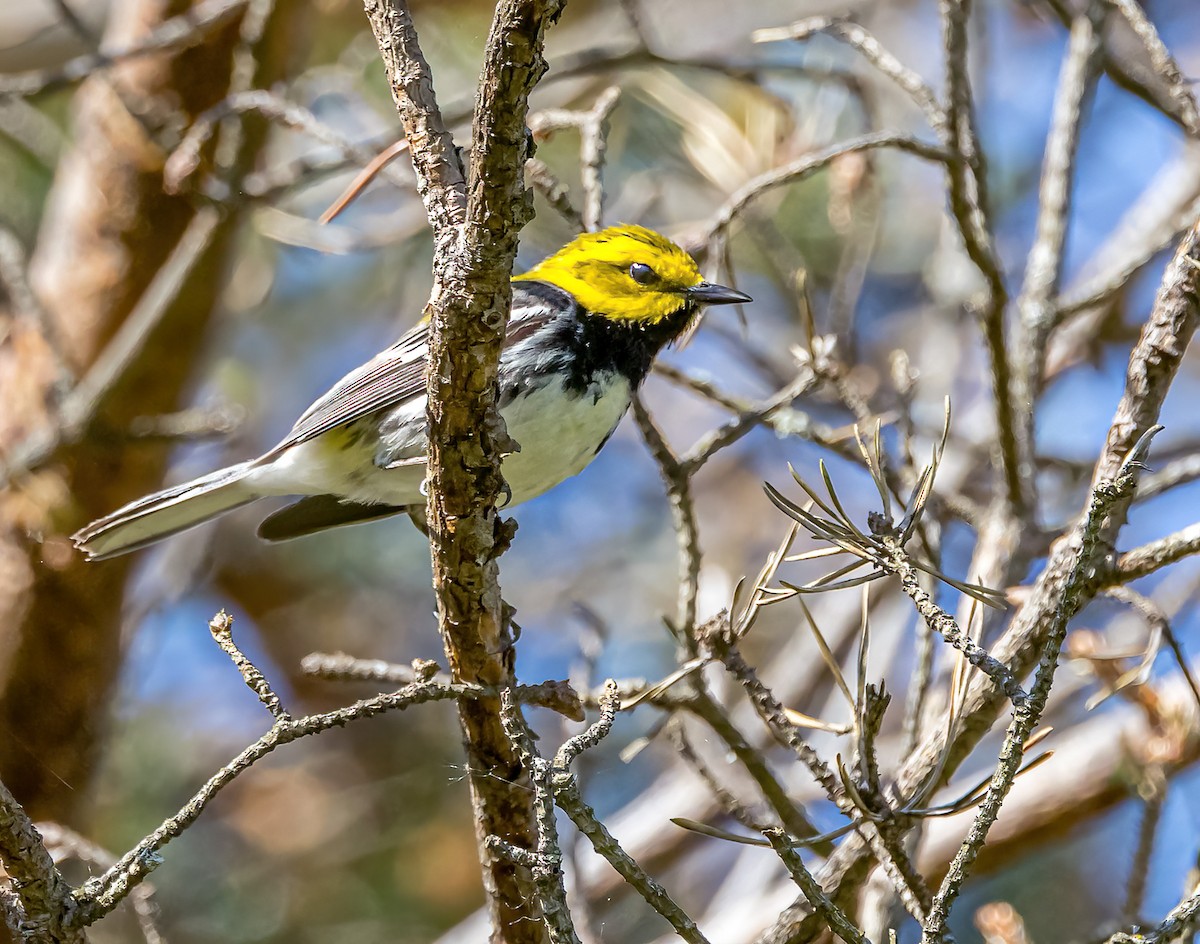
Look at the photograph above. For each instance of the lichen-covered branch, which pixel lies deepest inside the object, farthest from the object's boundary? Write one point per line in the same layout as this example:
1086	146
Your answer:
1145	560
40	907
101	894
1153	363
1026	716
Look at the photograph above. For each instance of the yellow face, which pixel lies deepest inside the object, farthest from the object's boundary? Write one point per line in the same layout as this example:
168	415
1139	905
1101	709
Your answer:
624	272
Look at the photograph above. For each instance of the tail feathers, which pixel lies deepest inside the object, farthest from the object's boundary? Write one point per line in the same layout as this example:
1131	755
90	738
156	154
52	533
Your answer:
164	513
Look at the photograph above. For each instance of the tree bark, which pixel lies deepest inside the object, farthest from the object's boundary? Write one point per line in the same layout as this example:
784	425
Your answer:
468	310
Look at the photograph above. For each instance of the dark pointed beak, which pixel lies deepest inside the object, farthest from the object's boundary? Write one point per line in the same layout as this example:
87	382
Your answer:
707	293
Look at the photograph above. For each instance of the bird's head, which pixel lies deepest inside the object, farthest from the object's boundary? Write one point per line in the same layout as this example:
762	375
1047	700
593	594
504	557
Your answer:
630	274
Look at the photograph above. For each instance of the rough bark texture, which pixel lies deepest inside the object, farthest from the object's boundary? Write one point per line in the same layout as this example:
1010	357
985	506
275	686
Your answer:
468	438
108	228
469	307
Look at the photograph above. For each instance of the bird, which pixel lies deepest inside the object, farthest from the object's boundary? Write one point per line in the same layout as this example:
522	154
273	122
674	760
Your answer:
586	324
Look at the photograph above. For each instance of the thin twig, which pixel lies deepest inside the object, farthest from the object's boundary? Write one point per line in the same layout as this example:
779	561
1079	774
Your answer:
592	151
822	904
783	420
857	37
966	178
592	126
1036	308
185	159
747	420
804	167
546	860
1182	919
893	859
571	802
101	894
221	628
1105	496
1172	474
1152	789
726	800
1154	555
1162	62
794	820
179	32
1132	76
558	696
65	843
947	627
441	180
683	511
557	193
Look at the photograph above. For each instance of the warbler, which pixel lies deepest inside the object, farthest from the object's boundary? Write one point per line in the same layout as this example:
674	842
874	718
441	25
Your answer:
585	327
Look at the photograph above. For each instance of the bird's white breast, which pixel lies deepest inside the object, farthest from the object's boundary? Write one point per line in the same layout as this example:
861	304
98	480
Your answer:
560	432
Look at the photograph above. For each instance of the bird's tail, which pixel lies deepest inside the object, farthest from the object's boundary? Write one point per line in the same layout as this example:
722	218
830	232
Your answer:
167	512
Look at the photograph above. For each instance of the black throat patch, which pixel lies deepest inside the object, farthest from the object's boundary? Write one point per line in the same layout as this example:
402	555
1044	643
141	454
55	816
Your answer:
579	345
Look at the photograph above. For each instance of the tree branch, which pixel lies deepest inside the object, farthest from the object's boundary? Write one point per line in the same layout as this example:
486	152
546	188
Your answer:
476	231
43	896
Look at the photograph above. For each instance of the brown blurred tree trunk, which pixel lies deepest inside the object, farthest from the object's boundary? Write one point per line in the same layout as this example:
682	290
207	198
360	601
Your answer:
109	227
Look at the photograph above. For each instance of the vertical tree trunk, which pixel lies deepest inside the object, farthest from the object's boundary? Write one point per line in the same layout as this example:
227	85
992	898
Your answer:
108	228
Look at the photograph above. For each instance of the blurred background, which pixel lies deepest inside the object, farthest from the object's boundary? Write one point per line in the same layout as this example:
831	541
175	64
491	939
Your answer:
364	834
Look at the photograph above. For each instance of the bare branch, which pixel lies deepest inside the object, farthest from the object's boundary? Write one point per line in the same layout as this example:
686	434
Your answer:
1152	789
47	911
1152	366
888	65
794	820
475	227
967	181
180	32
221	628
593	145
1163	63
101	894
546	860
1106	495
1138	78
945	626
440	178
1036	308
838	922
65	844
683	511
557	193
808	165
571	802
1183	918
557	696
1177	472
185	159
1148	558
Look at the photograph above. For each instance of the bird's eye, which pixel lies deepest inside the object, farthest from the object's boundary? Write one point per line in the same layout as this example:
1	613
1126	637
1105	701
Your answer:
642	273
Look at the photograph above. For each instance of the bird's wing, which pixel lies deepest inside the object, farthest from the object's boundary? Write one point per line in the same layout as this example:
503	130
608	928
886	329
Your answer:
389	378
397	374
